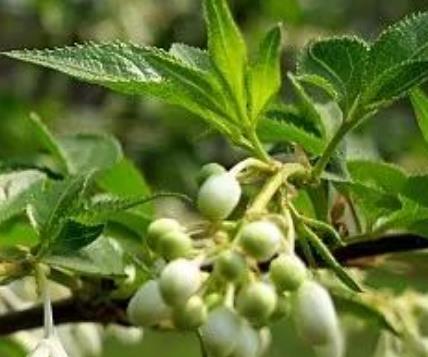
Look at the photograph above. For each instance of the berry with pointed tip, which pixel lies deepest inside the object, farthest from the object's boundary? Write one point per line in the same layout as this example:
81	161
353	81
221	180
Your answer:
220	332
179	280
175	244
191	315
287	272
261	239
158	228
230	266
218	196
147	307
209	170
257	302
314	313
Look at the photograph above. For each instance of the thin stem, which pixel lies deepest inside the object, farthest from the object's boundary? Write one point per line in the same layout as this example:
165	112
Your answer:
43	286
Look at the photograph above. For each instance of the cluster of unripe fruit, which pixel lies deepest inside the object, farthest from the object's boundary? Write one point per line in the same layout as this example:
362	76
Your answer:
211	280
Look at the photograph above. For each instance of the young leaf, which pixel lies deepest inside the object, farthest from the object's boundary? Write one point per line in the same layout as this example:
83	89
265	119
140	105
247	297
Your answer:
420	105
264	76
88	152
48	141
133	69
226	47
103	257
17	190
340	61
398	61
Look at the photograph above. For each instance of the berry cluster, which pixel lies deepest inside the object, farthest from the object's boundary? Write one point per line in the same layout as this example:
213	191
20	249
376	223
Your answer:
229	279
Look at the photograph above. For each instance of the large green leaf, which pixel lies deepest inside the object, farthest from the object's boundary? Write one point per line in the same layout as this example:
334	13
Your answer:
264	75
79	153
17	189
103	257
420	105
226	47
377	175
398	61
191	56
340	61
283	126
133	69
88	152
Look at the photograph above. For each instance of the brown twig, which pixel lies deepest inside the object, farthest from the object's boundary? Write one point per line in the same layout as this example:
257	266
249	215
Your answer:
91	310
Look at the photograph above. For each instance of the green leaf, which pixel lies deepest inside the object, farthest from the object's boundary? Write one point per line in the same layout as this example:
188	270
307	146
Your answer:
363	306
17	189
226	46
53	206
191	56
398	61
11	348
380	176
103	257
85	153
307	107
420	105
281	126
264	76
340	61
133	69
74	236
48	141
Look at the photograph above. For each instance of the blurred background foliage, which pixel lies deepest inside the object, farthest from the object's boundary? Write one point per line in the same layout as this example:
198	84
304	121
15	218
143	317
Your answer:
170	145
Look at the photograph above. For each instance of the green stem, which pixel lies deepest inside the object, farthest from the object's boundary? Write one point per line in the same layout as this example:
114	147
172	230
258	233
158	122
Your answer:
331	147
272	186
257	146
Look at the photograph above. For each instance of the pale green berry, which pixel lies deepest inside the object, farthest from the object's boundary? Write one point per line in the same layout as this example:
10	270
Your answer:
220	332
158	228
175	244
314	313
283	308
213	300
147	308
261	239
248	342
256	302
287	272
209	170
218	196
230	265
179	280
191	315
